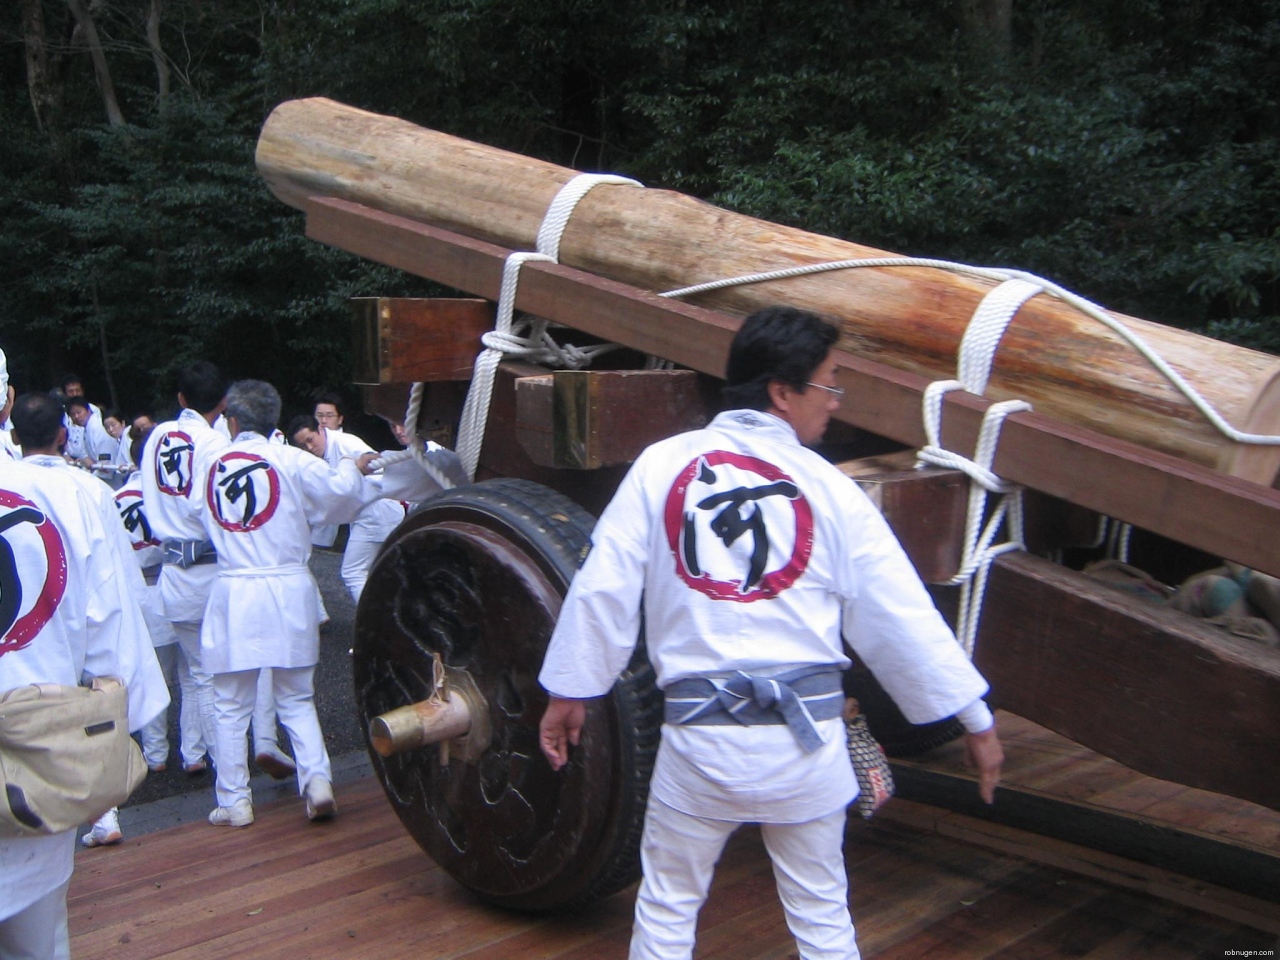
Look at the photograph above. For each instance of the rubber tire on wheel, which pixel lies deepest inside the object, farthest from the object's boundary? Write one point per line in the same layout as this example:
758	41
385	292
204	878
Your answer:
477	575
893	731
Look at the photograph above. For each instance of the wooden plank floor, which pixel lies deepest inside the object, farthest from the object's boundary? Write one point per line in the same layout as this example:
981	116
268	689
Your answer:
1039	759
360	888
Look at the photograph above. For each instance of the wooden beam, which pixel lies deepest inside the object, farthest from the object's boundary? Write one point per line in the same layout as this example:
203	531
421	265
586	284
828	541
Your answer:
584	419
926	509
408	339
1161	692
1225	516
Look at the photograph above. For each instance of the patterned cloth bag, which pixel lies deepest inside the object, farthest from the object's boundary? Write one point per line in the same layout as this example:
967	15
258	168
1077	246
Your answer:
875	778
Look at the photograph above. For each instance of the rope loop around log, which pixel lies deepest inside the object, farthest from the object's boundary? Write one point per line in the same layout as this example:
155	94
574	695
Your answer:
1179	383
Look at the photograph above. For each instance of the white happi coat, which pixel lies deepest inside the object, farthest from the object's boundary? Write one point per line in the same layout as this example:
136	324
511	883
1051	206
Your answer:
752	553
73	616
175	451
148	554
376	521
258	502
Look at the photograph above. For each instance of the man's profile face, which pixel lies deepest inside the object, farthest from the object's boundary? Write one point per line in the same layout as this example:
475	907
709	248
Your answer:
142	423
809	410
79	415
310	440
327	415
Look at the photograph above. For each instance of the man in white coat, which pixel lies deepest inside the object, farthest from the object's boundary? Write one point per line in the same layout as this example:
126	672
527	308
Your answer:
755	561
60	629
174	452
259	500
374	523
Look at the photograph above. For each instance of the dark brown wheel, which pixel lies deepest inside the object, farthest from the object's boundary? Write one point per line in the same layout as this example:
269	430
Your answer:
477	576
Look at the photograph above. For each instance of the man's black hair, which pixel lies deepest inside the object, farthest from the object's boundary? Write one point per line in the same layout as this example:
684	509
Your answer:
202	386
776	343
75	402
138	441
303	421
36	417
328	396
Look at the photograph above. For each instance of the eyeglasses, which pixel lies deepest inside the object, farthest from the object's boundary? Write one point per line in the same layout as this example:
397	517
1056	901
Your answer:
837	392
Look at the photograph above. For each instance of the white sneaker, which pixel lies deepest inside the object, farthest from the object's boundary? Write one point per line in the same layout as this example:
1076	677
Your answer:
320	802
239	814
105	832
275	761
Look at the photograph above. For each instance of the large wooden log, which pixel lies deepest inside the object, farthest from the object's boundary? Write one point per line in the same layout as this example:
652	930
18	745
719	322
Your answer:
1222	515
911	318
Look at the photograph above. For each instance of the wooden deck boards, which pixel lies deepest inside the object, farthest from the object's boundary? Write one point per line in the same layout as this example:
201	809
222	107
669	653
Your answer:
360	888
1039	760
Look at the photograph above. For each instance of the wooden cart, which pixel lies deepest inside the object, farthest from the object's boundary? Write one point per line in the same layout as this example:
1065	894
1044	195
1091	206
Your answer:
462	599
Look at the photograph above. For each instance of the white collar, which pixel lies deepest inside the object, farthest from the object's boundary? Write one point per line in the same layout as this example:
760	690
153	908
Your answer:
758	422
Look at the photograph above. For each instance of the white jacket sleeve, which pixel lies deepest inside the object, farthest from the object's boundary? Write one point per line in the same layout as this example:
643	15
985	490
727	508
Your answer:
890	621
599	623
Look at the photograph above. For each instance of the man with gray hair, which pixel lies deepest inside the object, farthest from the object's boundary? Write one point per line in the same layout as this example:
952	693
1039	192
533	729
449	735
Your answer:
258	501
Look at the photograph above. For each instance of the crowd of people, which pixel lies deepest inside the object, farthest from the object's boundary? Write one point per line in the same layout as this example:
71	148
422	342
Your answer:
753	562
209	519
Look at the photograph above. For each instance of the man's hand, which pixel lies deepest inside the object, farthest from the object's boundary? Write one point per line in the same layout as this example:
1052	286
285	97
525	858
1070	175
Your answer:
363	461
561	726
983	751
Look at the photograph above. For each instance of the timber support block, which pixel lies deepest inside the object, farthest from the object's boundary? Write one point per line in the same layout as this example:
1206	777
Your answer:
402	339
584	419
1161	692
925	508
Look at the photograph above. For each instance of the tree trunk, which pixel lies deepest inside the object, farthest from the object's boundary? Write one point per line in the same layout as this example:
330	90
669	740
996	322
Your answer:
44	92
100	69
913	318
988	26
157	54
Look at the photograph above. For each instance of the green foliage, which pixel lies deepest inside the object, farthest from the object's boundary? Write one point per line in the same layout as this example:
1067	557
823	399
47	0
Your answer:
1128	151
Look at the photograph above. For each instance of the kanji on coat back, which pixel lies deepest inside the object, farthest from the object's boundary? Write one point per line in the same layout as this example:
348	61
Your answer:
740	528
243	491
173	463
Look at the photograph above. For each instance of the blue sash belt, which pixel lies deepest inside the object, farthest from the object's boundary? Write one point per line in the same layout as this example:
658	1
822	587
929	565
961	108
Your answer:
798	698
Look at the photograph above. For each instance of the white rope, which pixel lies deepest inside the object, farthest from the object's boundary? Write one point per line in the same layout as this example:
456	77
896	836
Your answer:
979	551
1080	303
986	327
528	339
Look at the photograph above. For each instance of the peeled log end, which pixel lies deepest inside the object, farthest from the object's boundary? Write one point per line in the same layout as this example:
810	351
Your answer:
419	724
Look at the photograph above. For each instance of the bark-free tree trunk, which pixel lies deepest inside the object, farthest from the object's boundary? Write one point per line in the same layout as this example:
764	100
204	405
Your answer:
1065	363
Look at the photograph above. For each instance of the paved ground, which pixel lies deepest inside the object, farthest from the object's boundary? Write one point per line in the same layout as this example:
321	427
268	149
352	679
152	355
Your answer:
172	797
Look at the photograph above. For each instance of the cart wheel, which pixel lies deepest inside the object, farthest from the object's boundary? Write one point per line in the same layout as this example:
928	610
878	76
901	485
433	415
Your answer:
477	575
899	736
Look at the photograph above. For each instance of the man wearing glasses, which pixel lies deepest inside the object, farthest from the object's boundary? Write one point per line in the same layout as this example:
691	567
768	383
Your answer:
755	561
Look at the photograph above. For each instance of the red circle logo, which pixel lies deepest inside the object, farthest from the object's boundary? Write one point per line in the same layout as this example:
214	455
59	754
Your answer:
174	461
243	491
739	528
129	503
33	571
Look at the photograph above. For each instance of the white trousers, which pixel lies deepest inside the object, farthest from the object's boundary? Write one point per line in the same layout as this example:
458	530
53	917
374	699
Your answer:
356	561
678	854
235	696
155	734
197	726
38	932
265	737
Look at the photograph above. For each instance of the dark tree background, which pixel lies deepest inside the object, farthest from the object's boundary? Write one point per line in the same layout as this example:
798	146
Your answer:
1127	150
